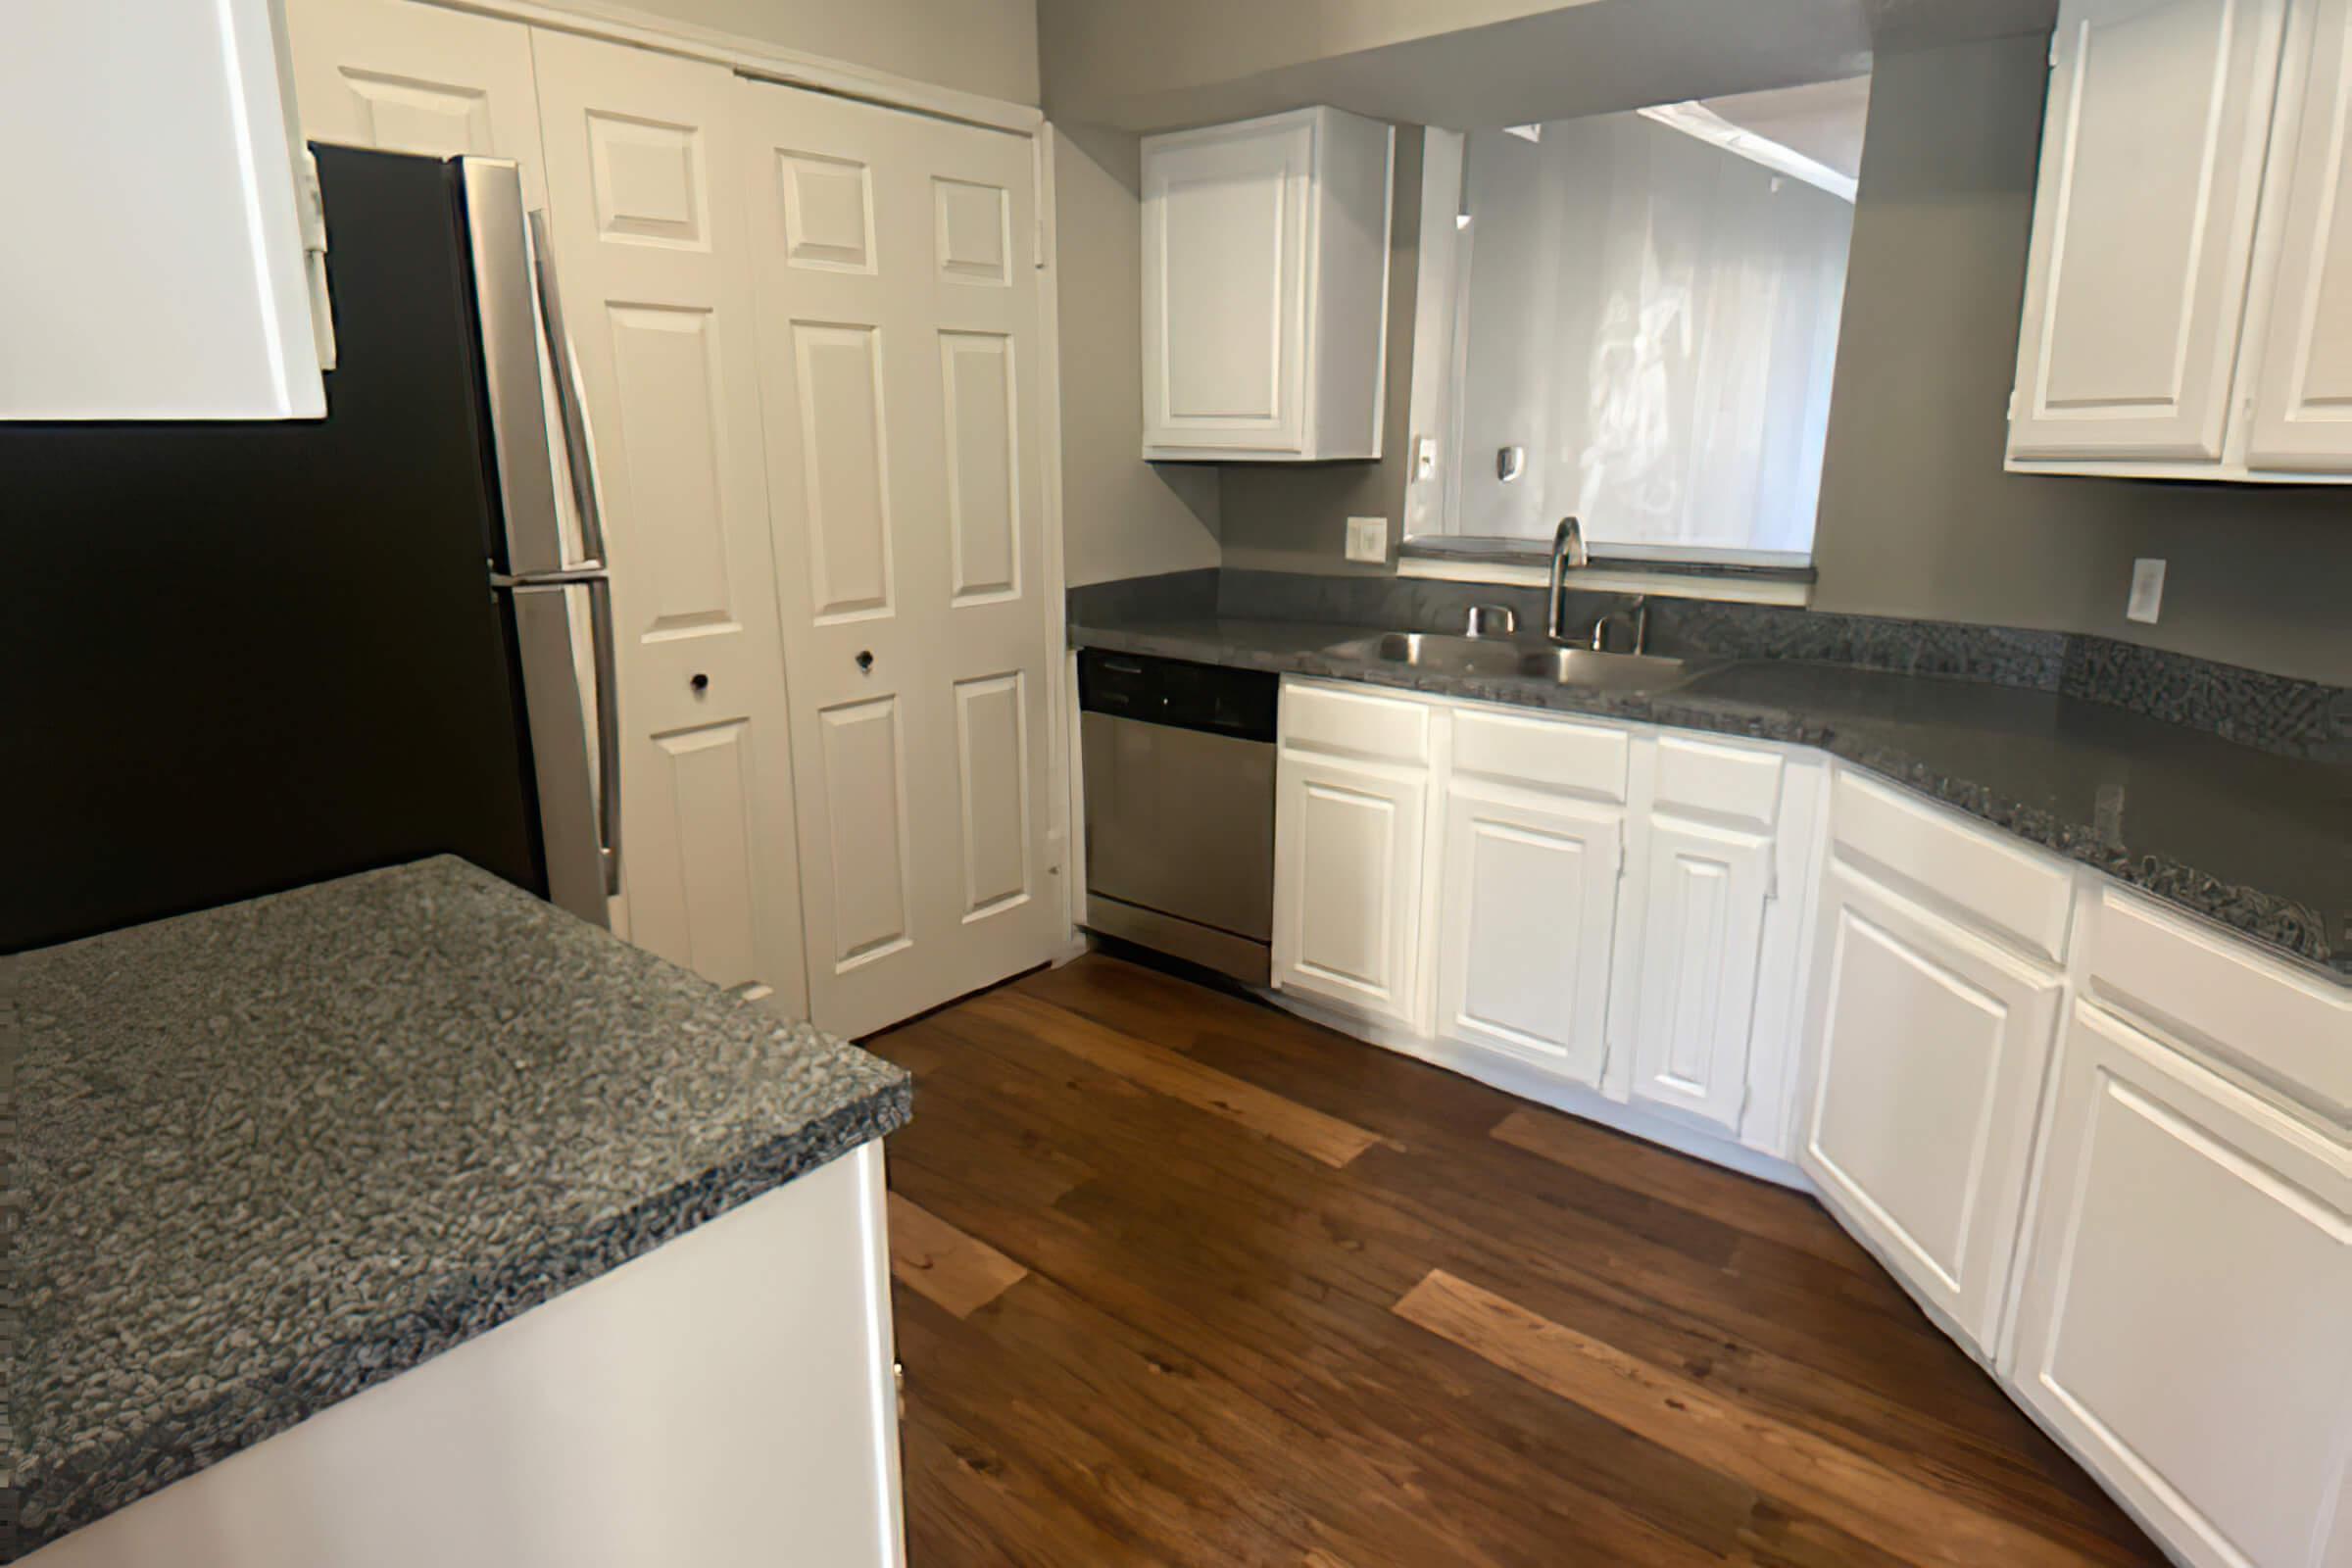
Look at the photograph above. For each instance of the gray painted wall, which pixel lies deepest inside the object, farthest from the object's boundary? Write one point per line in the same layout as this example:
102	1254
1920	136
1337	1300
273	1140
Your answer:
1918	518
1279	517
1121	517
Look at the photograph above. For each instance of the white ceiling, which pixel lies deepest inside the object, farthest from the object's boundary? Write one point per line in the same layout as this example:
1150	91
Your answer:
1593	57
1822	119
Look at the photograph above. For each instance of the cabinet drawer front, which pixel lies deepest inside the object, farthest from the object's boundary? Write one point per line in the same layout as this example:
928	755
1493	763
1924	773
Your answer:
1730	783
2023	898
1352	723
2182	1319
2292	1029
1558	756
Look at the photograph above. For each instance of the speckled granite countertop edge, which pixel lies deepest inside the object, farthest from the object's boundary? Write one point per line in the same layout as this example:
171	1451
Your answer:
461	1309
2284	925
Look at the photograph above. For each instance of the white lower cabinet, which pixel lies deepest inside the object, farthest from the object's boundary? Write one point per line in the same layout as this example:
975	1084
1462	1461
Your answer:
1526	927
1927	1050
1349	841
2186	1322
1536	900
1702	934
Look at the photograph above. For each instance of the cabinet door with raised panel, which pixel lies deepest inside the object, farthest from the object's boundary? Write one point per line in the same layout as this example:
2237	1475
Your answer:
1527	921
1703	931
1347	853
403	77
2302	393
2152	151
2186	1322
1225	285
1929	1049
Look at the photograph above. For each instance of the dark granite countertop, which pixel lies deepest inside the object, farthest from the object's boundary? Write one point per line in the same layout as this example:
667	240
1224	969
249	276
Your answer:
272	1153
2258	842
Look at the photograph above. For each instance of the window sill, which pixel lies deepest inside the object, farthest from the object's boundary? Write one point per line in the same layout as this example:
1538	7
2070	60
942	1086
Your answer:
1532	568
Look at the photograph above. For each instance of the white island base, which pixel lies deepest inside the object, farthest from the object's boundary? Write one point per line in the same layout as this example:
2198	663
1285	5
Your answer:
726	1398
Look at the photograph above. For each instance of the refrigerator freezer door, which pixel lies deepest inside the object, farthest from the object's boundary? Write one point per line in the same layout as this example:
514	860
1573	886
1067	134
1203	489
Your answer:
506	308
570	801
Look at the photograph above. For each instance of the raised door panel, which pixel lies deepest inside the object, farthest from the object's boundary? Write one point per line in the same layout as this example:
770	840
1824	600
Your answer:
403	77
898	343
690	894
1527	925
1225	282
2143	227
2184	1321
2302	397
1703	931
1347	846
864	774
1928	1051
654	280
992	789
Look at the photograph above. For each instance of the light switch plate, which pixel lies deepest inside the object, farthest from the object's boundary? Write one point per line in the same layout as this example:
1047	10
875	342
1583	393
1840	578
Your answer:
1425	460
2148	591
1368	539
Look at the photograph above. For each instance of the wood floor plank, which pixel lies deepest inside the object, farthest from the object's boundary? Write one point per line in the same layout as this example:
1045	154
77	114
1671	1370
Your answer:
1823	1477
934	1258
1320	1137
1785	1217
1204	1364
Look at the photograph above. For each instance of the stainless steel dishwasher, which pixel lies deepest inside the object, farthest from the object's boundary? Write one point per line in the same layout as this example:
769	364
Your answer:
1179	762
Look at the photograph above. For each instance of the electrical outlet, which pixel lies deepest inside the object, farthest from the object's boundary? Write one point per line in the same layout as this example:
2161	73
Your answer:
2148	591
1368	539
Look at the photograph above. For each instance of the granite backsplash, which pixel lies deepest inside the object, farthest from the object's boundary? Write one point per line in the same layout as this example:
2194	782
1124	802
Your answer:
2274	713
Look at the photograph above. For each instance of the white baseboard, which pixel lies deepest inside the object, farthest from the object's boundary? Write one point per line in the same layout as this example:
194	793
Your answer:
1573	1099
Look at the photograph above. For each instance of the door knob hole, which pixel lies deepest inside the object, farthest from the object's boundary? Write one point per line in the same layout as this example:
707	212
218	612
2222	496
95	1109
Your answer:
701	683
865	659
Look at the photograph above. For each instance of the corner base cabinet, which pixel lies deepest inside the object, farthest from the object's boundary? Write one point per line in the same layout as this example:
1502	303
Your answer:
1929	1044
2187	1319
1266	288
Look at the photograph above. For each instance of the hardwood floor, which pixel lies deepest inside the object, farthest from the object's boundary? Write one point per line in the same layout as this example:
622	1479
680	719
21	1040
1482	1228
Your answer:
1181	1279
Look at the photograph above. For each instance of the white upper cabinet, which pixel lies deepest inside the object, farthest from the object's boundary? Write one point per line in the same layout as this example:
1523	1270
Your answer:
155	265
2301	396
1265	288
2188	300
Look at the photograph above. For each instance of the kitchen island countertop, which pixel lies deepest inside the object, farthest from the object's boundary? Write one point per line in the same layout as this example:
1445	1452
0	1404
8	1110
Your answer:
272	1153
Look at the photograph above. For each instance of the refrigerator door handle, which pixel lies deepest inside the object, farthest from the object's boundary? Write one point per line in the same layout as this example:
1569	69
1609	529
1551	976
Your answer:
571	395
607	731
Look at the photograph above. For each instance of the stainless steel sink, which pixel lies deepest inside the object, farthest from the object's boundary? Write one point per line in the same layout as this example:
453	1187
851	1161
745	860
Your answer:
1444	655
1436	652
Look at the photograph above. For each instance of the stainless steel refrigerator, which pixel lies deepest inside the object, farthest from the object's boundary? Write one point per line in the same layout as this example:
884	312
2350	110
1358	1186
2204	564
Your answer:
240	657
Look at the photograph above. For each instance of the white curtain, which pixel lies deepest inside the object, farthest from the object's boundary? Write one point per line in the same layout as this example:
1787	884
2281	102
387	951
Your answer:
1654	319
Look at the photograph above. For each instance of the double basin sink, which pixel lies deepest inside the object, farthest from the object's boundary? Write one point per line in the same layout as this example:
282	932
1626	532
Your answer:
1442	653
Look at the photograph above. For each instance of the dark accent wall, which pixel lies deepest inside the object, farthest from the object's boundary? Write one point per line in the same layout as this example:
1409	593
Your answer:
1918	518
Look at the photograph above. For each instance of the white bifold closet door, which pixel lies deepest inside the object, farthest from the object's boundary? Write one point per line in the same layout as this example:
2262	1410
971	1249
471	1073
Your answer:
899	385
655	275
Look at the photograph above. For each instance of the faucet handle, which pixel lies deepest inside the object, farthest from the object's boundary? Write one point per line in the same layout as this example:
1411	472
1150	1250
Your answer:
1479	621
